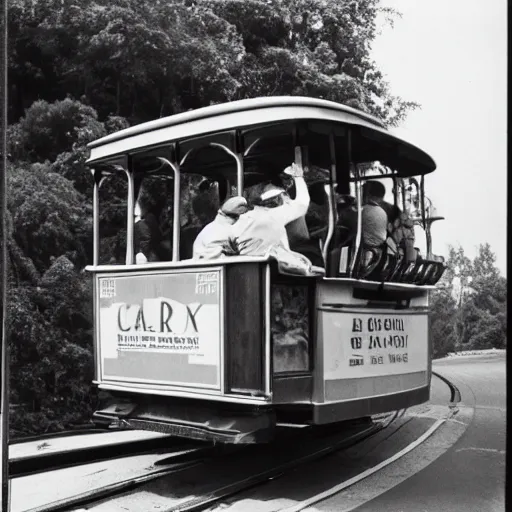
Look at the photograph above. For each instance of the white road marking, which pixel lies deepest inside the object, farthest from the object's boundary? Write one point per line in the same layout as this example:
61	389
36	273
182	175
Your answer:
487	450
451	420
351	481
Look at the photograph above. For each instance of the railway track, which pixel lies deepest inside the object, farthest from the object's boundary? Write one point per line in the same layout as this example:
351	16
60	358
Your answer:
51	452
162	466
172	469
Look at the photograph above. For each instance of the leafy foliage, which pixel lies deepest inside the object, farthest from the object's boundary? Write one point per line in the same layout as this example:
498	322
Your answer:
46	130
50	218
50	351
143	60
469	311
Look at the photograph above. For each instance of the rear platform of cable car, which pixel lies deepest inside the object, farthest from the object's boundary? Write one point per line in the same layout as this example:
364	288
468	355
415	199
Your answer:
230	348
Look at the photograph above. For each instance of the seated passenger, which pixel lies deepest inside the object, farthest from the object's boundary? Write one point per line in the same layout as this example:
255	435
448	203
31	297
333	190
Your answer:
400	229
147	234
374	217
215	239
205	206
402	233
347	215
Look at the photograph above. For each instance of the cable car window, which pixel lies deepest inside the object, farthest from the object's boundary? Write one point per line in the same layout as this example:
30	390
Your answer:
290	328
318	152
153	218
267	152
113	193
208	179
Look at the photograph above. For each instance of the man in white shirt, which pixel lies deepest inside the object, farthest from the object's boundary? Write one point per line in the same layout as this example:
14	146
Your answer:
264	228
215	240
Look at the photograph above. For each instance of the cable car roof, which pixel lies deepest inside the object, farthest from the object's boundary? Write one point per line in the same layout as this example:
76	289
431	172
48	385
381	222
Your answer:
261	111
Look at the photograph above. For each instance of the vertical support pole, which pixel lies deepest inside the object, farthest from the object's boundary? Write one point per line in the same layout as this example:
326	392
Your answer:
130	220
422	198
298	156
359	200
353	169
395	188
402	185
268	334
239	156
4	347
96	217
428	235
239	174
176	225
331	201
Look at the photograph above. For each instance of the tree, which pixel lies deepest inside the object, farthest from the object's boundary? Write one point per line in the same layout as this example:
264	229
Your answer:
471	315
317	48
50	218
143	60
49	129
51	351
441	326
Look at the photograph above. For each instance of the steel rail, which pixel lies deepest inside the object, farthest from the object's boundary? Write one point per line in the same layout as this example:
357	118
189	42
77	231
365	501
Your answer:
43	462
323	433
328	433
61	434
200	503
78	501
456	397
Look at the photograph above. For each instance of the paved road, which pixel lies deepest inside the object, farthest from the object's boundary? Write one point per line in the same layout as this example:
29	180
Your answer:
470	476
461	467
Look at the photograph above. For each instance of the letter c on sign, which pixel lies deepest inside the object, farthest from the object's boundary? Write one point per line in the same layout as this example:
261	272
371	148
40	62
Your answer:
119	319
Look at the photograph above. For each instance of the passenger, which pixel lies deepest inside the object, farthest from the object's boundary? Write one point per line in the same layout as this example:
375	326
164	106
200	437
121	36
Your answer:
318	209
402	233
299	237
147	234
262	231
401	230
374	217
264	227
215	239
347	214
205	206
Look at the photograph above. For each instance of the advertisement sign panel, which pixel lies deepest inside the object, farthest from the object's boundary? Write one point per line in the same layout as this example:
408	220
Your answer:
161	328
359	345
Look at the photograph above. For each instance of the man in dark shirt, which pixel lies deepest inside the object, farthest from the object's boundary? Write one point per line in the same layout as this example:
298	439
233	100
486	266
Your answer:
400	226
147	235
374	217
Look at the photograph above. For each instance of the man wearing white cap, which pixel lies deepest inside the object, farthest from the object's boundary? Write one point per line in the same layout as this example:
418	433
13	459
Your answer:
263	228
215	239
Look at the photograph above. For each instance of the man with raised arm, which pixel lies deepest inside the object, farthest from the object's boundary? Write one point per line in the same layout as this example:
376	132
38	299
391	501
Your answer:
264	227
262	230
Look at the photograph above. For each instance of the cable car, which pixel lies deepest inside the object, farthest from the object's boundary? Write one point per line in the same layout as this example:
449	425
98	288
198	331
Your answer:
229	349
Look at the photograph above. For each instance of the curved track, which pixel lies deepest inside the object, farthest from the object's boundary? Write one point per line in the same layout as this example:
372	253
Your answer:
176	463
292	448
43	456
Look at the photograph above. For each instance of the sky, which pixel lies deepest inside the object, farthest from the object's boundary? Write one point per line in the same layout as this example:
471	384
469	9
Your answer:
450	56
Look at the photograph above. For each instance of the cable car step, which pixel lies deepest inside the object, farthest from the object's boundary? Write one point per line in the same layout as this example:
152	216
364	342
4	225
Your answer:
193	421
